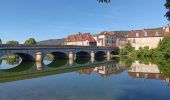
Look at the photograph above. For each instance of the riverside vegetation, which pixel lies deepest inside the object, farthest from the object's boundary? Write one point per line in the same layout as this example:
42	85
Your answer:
159	56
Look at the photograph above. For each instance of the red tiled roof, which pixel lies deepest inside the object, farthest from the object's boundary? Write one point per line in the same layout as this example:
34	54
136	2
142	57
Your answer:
81	37
150	75
146	33
113	34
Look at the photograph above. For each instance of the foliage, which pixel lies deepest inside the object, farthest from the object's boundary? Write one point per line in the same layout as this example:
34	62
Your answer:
163	50
104	1
127	49
0	41
127	61
49	57
164	66
30	41
12	42
164	46
12	59
167	5
162	63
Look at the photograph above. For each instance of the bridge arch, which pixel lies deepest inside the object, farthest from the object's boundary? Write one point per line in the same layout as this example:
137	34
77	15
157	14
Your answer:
23	56
114	52
26	57
82	54
59	55
55	59
100	54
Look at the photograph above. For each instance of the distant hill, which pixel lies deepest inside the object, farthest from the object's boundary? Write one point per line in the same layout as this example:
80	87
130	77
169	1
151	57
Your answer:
122	32
52	42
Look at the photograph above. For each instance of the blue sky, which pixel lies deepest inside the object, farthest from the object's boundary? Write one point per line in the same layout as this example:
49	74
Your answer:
51	19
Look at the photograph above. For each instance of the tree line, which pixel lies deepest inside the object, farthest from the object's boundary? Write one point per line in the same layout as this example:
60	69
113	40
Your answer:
163	50
30	41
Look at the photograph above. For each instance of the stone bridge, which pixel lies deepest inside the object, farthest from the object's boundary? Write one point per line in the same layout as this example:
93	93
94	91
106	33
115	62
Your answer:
38	52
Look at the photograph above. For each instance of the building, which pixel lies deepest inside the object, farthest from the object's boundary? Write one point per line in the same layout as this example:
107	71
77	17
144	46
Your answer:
80	39
110	39
147	37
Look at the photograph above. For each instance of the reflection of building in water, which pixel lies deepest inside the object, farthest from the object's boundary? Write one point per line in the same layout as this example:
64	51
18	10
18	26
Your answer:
86	71
110	69
150	71
105	70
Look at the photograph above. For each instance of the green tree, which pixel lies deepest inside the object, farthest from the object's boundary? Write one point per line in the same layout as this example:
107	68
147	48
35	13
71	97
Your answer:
0	41
30	41
164	46
104	1
12	59
12	42
127	49
167	5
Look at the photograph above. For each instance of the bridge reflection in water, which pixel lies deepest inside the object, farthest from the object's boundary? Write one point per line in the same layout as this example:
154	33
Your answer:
101	66
27	70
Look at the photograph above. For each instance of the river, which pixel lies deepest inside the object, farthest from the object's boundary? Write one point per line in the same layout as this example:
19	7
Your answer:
102	79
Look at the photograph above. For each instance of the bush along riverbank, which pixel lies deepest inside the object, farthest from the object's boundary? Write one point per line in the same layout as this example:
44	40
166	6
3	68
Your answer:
159	56
163	50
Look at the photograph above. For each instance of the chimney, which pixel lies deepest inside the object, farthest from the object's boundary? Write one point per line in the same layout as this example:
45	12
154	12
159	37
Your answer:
166	29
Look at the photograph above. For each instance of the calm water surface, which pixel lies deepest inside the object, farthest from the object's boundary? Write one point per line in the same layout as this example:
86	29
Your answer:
116	79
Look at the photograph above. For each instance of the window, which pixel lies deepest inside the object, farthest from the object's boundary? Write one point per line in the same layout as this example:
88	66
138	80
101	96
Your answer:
146	34
107	37
157	34
137	34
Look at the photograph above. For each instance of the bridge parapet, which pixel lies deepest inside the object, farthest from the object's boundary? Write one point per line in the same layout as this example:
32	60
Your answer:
37	52
5	46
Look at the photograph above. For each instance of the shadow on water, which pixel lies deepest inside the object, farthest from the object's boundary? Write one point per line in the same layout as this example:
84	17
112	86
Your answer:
0	62
57	63
100	59
82	60
23	66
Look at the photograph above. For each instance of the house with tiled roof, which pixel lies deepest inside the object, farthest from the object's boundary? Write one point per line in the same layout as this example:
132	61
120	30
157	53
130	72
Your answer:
110	38
147	37
81	39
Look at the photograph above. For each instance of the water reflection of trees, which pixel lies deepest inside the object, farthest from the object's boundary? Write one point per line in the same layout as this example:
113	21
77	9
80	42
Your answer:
0	61
153	64
12	59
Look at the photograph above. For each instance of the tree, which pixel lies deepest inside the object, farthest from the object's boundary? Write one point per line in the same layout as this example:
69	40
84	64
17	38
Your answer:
12	42
0	41
167	5
30	41
104	1
164	46
127	49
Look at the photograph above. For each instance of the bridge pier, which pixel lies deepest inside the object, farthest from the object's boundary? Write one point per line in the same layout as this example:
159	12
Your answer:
92	56
108	55
39	57
71	61
71	57
39	65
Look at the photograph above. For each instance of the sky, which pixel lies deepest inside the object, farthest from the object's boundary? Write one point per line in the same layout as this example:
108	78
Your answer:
54	19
